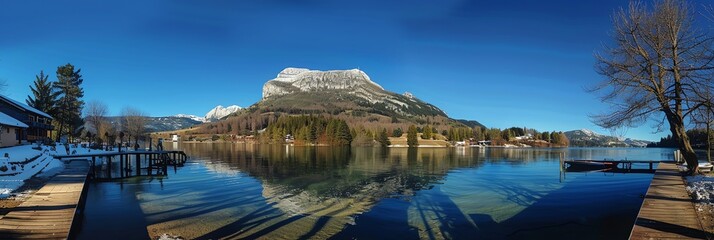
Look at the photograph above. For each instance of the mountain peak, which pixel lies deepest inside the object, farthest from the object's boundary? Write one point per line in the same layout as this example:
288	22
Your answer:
219	112
589	132
291	80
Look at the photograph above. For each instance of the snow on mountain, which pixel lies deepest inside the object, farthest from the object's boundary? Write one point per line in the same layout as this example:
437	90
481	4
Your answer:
589	138
192	117
219	112
291	80
589	132
343	87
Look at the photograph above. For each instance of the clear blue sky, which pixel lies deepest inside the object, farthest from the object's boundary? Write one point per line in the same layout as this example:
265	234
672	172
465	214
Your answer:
503	63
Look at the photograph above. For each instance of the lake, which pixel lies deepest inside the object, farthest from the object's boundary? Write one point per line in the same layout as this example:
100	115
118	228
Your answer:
251	191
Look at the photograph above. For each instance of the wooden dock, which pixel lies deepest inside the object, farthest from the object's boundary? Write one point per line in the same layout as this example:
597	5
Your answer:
130	163
667	211
50	212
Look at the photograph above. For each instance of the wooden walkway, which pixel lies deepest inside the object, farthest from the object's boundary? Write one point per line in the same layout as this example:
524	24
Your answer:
667	211
49	213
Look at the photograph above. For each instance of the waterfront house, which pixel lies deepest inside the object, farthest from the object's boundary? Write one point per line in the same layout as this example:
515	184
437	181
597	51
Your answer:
39	124
10	129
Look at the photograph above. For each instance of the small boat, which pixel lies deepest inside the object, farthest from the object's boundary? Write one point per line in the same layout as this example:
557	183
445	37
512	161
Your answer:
587	165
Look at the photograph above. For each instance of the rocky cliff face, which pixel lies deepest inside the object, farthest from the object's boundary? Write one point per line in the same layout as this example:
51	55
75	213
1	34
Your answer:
336	87
292	80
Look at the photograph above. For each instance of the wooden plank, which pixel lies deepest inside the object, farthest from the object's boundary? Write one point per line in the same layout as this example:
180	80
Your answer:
667	211
49	213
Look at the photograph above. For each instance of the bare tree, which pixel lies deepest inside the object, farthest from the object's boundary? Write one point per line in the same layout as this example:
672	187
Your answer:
133	122
95	114
659	63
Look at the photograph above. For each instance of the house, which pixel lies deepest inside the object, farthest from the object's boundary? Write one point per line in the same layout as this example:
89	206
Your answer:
39	124
10	129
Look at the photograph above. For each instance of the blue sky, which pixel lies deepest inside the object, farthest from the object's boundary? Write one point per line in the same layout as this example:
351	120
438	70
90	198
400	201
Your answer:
503	63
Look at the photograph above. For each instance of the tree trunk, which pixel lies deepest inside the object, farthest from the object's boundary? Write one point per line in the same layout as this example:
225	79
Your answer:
676	126
59	132
709	143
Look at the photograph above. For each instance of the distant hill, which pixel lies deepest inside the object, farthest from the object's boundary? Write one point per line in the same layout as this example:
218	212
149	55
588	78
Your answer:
160	124
588	138
471	123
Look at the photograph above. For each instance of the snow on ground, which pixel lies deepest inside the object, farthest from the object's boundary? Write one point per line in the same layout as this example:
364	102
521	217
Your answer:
16	171
701	187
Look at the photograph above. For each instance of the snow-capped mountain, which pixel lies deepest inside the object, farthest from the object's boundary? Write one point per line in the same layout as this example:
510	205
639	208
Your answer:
219	112
192	117
339	90
589	138
216	113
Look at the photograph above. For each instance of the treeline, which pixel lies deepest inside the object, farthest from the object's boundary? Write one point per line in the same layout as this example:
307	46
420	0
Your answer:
697	138
502	136
308	129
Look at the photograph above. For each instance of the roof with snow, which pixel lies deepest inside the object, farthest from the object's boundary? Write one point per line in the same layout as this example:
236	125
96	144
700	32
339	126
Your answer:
9	121
24	106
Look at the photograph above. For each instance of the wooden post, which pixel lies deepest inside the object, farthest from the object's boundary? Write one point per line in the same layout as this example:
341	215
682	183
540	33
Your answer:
138	164
109	167
121	166
150	164
650	165
94	166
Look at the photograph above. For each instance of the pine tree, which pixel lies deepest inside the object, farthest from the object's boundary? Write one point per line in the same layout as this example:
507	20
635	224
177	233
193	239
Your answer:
344	136
427	132
383	138
43	98
412	136
69	105
312	132
397	132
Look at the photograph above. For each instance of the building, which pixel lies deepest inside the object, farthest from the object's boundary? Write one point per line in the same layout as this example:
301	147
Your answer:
10	130
39	124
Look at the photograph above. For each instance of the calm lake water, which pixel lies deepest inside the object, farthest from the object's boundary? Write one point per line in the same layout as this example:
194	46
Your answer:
282	192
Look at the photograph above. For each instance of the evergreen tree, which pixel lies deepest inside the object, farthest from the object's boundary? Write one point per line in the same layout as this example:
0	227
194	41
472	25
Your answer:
397	132
312	133
412	136
427	132
43	98
383	139
70	104
344	136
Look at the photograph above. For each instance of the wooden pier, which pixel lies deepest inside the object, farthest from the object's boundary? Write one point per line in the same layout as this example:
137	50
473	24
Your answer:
667	211
51	211
620	165
130	163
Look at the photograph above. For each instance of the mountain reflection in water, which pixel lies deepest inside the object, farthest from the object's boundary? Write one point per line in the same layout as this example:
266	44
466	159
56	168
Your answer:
274	191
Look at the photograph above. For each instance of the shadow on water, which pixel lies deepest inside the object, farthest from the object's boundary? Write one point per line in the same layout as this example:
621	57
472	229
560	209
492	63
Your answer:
112	212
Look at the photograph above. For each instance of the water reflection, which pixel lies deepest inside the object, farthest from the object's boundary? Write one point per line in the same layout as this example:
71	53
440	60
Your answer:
269	191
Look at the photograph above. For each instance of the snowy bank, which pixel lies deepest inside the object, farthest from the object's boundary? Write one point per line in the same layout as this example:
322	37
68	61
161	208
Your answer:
701	187
24	162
